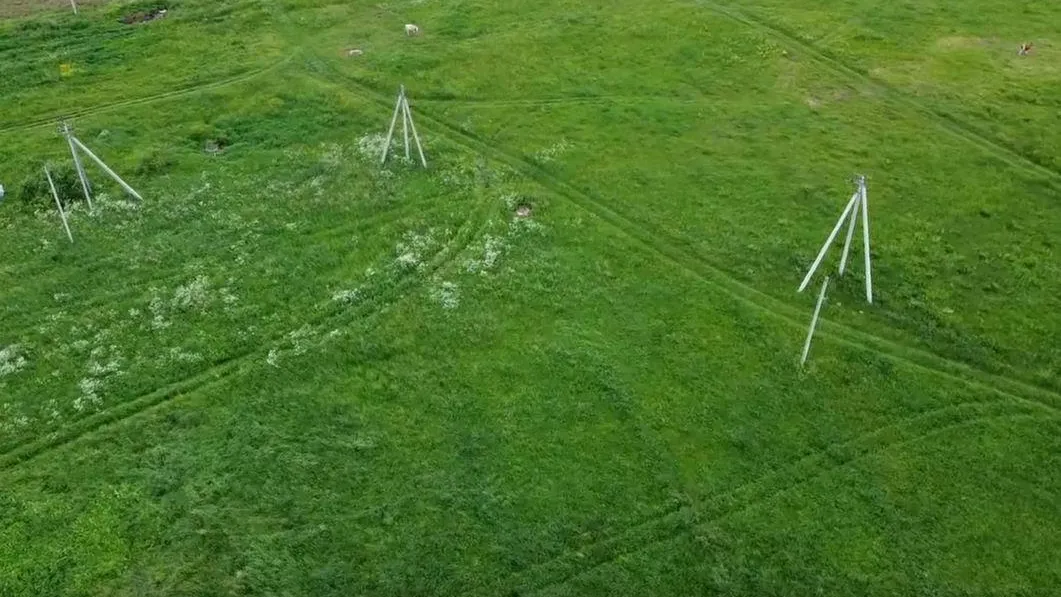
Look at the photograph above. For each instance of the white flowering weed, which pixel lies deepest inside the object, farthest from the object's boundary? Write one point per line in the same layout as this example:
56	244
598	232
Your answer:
193	295
412	249
10	360
370	146
549	154
447	295
487	254
347	297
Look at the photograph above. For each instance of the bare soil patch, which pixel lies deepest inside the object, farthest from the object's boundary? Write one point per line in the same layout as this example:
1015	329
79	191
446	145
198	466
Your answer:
135	18
215	146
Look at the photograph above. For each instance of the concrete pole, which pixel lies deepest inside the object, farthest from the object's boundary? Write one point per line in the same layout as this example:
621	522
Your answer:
106	169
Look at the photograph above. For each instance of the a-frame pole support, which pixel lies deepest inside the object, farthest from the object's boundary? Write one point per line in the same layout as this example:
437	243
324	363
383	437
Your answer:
111	173
829	241
412	126
77	165
408	126
58	204
865	239
814	322
406	119
399	106
858	204
850	232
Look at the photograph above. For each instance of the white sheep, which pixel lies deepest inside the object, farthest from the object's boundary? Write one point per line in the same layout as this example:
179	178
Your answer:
411	29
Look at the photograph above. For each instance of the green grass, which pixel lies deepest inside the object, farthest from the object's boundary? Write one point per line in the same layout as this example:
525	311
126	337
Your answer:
291	371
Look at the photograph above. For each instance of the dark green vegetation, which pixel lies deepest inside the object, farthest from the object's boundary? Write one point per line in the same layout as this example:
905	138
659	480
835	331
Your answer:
293	372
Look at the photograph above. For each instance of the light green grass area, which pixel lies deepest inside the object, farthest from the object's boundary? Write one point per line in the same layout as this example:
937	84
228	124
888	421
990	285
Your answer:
291	370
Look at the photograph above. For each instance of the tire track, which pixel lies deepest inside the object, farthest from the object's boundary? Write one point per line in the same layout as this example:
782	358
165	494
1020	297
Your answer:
166	95
573	562
32	268
131	288
734	501
866	445
371	308
929	362
216	373
956	127
559	101
670	250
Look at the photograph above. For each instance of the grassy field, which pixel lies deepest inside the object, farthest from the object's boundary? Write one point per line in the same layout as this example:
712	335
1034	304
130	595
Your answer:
293	371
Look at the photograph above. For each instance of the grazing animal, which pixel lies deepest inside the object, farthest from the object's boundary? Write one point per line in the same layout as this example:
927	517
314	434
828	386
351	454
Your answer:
411	29
1025	49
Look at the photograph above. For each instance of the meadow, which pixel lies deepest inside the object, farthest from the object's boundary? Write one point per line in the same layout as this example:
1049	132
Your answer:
294	370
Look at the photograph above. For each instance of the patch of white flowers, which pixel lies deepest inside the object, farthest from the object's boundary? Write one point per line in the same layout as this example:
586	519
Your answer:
371	145
106	202
299	342
90	389
347	297
299	339
552	152
447	295
157	307
99	370
411	249
333	155
178	355
228	297
193	295
487	255
10	360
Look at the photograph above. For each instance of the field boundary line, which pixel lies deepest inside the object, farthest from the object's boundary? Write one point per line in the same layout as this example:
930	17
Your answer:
953	125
